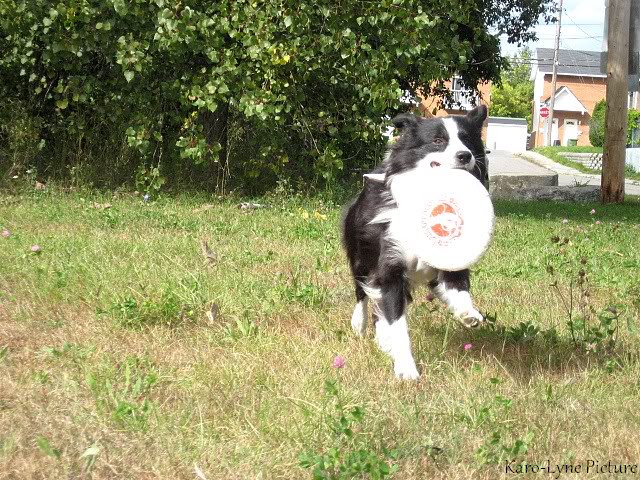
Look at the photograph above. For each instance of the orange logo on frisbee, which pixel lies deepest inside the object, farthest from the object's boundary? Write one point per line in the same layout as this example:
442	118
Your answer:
445	221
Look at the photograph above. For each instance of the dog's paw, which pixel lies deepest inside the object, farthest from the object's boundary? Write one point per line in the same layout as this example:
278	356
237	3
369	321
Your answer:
405	369
471	318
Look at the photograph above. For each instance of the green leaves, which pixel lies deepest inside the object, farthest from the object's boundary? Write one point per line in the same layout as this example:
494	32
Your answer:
45	447
513	97
276	65
120	6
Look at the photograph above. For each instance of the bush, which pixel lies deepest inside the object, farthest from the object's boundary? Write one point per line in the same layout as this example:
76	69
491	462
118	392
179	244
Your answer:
633	135
271	88
596	126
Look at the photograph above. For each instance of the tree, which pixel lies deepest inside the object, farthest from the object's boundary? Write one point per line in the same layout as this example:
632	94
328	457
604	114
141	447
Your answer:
513	94
596	124
258	88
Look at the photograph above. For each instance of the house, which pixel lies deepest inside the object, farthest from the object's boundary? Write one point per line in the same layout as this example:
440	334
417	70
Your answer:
430	106
579	86
498	133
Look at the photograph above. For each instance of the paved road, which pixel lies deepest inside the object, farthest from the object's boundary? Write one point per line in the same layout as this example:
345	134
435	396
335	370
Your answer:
531	163
501	162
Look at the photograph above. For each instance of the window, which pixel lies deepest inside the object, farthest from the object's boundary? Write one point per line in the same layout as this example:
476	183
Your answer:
462	97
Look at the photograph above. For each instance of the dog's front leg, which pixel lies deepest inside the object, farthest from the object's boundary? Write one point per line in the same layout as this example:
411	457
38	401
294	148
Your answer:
453	289
392	333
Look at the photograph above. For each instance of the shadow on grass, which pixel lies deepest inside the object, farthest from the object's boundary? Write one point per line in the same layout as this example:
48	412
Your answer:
549	351
629	212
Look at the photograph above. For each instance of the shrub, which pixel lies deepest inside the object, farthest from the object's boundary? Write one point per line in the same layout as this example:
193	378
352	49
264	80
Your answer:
596	125
119	84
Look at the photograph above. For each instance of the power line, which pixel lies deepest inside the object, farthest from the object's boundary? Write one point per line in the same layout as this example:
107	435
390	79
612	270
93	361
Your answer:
571	20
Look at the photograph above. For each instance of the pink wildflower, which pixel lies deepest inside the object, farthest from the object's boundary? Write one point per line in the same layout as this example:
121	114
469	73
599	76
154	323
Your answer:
6	233
36	248
593	211
339	361
468	346
598	222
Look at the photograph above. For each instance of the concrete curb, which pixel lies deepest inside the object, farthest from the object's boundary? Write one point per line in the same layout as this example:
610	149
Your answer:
505	183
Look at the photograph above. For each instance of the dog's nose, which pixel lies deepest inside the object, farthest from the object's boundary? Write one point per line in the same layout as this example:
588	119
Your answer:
463	157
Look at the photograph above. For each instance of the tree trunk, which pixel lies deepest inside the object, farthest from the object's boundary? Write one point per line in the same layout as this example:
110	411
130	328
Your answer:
615	134
216	130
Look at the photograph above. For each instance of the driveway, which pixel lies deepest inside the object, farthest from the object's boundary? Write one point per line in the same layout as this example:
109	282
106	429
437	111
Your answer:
532	163
502	162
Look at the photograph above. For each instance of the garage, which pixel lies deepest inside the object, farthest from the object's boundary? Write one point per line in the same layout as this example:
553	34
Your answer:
507	134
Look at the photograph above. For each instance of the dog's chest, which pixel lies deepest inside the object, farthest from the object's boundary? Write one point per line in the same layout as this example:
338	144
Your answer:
421	273
418	271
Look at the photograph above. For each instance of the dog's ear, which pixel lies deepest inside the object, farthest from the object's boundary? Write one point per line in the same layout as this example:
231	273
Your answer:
405	120
478	115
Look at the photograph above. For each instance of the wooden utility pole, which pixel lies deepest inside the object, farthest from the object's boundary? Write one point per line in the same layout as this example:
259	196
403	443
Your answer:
554	77
615	133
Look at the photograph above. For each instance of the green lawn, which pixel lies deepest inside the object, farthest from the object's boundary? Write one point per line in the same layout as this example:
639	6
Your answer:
110	367
554	154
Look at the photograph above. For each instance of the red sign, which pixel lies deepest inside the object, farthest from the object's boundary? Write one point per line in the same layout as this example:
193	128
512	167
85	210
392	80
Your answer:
544	112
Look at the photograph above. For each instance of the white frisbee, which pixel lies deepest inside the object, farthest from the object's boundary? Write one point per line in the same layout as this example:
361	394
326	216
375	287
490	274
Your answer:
449	218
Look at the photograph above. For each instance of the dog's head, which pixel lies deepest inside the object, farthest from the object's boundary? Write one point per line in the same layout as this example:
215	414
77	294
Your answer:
449	142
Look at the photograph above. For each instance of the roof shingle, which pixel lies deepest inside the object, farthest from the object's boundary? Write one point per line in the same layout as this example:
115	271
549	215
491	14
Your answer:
570	62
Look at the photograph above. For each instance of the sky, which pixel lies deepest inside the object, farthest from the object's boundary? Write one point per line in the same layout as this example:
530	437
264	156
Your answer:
582	28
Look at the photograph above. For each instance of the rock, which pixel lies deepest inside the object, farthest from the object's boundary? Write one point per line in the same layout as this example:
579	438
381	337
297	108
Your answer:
587	193
516	181
251	206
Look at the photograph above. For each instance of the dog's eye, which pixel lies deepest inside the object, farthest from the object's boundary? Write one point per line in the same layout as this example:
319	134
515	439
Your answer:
438	141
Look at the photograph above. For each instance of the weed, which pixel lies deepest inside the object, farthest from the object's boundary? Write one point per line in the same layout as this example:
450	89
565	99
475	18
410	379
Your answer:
523	332
41	377
149	180
590	329
74	352
121	391
45	446
89	457
304	292
4	353
111	217
497	449
351	453
501	444
243	327
165	308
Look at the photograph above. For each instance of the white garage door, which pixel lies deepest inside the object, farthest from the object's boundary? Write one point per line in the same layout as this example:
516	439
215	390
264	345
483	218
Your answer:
507	134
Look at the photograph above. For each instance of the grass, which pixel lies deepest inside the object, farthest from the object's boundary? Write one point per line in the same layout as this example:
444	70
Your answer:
554	154
110	367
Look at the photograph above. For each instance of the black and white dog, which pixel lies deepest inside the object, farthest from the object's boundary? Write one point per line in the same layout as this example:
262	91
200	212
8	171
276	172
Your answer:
383	268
